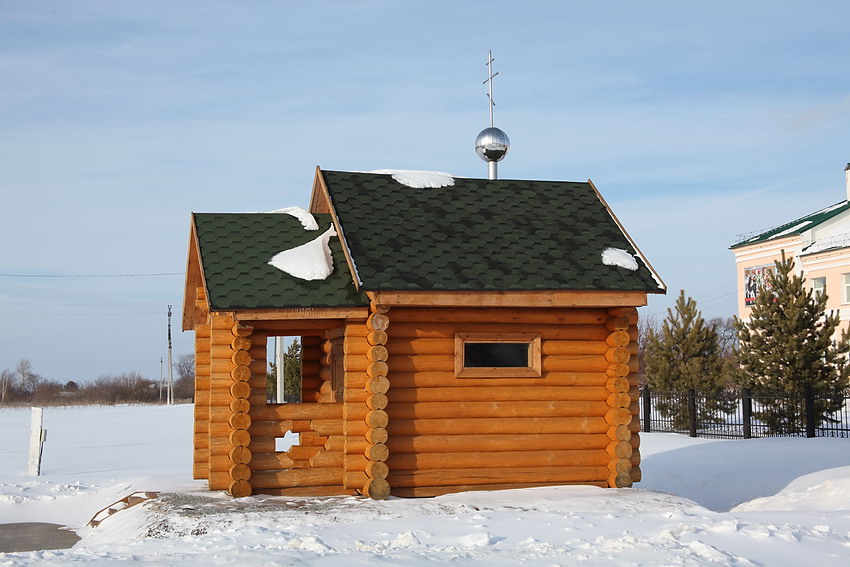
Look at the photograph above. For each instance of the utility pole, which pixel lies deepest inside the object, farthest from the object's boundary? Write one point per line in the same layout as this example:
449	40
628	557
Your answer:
170	366
160	379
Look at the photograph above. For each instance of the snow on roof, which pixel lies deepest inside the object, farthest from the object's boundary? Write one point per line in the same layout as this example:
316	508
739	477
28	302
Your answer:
793	229
306	218
419	179
619	257
310	261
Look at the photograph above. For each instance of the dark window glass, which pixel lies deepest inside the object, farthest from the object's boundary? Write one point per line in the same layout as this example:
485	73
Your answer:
501	355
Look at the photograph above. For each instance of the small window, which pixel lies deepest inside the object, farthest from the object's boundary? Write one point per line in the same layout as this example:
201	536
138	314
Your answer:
819	285
497	355
845	298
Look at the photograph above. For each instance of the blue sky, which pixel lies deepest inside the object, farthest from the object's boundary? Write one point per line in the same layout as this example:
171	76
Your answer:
697	122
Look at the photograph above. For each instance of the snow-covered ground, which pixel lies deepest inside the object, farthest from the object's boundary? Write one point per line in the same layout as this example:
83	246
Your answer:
755	502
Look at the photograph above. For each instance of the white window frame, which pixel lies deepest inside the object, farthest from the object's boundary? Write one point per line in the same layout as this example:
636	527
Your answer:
819	285
845	293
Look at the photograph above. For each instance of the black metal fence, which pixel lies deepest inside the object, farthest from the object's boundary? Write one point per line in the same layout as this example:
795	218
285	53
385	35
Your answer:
737	414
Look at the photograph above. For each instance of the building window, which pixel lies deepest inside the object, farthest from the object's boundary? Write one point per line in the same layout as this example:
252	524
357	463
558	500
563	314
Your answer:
845	296
819	285
497	355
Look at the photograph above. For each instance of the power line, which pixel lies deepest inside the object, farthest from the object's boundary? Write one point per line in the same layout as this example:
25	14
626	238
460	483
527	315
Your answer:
91	275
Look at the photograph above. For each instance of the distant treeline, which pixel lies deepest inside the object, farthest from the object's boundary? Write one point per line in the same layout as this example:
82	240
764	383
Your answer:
22	385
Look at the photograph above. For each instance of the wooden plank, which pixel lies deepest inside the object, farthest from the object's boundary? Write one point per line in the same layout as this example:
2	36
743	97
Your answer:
499	426
581	390
447	380
525	316
466	460
273	412
424	330
498	443
496	409
473	476
293	478
544	298
332	314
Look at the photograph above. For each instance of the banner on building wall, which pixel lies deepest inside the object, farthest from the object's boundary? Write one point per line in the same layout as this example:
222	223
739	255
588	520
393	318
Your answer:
755	279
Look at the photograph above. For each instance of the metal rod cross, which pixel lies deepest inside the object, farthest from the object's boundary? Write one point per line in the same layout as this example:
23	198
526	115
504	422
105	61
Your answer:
489	80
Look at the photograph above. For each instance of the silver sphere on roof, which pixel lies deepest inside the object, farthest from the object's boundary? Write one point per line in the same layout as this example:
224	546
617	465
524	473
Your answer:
492	144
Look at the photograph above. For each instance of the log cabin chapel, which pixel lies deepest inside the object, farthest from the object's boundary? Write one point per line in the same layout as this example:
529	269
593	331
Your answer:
457	334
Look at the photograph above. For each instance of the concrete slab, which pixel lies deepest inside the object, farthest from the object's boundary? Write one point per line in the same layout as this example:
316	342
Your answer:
35	536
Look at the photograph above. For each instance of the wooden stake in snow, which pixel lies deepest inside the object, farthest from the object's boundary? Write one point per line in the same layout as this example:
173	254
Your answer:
37	438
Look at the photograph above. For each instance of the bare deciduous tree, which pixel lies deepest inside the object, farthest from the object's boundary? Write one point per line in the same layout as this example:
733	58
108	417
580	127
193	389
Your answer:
7	380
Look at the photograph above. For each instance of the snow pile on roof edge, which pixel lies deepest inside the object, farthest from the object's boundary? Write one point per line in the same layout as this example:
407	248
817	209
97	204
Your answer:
310	261
419	179
307	220
619	257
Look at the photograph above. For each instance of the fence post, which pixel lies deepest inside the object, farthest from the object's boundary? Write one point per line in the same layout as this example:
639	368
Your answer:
692	411
809	400
747	412
647	408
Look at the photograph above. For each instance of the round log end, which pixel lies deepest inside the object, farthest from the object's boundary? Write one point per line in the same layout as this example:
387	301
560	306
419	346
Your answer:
616	355
377	402
379	435
239	420
620	433
377	489
377	353
240	405
378	322
240	343
621	400
618	339
241	329
240	390
375	338
378	469
618	416
379	385
240	455
620	480
620	449
636	474
240	438
239	489
379	418
377	452
377	369
618	323
618	370
241	358
241	373
240	471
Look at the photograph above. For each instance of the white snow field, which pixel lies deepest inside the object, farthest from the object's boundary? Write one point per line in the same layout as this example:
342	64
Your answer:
762	502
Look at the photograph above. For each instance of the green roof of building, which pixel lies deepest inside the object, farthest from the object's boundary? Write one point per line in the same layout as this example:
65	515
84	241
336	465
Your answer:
235	249
481	235
795	227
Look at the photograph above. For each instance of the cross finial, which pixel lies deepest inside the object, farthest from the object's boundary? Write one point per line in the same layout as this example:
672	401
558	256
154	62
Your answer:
490	75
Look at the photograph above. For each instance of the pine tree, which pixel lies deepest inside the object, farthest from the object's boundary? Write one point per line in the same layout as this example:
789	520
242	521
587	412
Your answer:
292	372
684	354
787	347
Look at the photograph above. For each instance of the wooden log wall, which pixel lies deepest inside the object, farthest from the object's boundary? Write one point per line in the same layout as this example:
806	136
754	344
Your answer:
229	404
316	465
447	434
622	401
366	385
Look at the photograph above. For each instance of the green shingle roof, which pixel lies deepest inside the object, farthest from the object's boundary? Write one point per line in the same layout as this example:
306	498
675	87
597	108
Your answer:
797	226
481	235
235	249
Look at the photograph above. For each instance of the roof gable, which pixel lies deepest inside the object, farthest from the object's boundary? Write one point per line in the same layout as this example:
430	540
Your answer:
797	226
235	249
481	235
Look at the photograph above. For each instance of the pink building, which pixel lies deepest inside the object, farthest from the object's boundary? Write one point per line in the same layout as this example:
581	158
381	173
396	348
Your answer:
820	245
